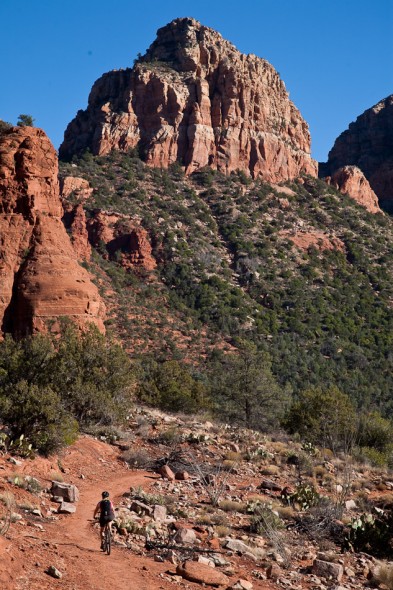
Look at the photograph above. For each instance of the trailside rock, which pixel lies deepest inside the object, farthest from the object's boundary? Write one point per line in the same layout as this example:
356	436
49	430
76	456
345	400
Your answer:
66	508
184	535
54	572
195	99
41	279
166	473
367	144
67	491
327	569
351	180
202	574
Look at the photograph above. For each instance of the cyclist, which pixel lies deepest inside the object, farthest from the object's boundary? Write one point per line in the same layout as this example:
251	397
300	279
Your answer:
106	511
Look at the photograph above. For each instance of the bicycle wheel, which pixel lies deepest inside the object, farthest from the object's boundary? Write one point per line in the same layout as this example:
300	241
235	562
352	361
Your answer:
108	540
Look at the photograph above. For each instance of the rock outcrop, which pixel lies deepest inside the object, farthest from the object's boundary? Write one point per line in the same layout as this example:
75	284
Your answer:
123	239
350	180
75	221
41	279
195	99
72	185
368	144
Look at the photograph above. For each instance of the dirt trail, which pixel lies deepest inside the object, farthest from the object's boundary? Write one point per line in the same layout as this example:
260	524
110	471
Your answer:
72	543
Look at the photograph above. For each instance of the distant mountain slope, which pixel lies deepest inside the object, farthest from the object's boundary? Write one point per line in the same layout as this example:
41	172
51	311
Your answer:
195	99
300	269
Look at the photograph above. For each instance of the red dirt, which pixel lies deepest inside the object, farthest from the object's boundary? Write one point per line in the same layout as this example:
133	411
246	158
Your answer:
71	543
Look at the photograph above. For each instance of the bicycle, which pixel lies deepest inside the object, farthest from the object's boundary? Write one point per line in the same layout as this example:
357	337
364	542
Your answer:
107	540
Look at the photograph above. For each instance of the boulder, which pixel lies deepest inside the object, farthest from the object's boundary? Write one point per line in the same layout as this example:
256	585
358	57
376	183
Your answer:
67	491
66	508
159	513
54	572
182	475
327	569
167	473
185	536
141	508
241	585
202	574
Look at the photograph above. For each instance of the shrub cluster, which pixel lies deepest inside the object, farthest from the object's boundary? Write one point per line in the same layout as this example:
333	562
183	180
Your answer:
49	387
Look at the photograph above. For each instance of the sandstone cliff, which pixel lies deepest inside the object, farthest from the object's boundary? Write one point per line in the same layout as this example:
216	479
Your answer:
368	144
40	277
195	99
351	180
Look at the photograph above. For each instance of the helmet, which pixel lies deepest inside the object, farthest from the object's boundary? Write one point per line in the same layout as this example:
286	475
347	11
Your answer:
105	494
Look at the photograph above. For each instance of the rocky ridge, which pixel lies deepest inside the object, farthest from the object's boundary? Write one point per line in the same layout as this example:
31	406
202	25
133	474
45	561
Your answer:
368	144
351	180
41	279
194	98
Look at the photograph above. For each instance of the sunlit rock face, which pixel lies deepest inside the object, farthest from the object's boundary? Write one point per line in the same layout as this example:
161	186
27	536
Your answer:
195	99
41	279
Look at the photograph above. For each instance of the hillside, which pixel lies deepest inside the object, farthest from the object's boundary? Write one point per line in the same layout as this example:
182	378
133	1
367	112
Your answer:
297	268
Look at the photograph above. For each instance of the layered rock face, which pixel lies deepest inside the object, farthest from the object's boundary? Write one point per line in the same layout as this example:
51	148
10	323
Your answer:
122	238
351	180
195	99
41	279
368	144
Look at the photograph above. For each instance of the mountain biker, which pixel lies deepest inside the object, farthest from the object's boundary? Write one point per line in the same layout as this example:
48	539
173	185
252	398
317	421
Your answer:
106	511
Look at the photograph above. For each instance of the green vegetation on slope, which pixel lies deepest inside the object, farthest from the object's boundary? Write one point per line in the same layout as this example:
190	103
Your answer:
228	269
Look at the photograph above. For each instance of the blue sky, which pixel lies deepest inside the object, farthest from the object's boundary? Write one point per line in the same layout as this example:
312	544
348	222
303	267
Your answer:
335	56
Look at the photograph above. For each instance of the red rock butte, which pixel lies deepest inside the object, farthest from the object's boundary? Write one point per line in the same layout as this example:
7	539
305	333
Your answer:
195	99
368	144
41	279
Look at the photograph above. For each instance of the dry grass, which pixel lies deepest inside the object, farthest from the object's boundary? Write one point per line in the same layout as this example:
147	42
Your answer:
56	476
285	512
233	456
384	575
139	458
222	531
232	506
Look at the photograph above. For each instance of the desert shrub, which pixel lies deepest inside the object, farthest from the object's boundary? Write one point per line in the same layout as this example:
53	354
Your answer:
139	458
372	533
148	498
38	412
375	432
170	436
263	518
323	417
245	391
169	385
372	456
49	385
305	496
